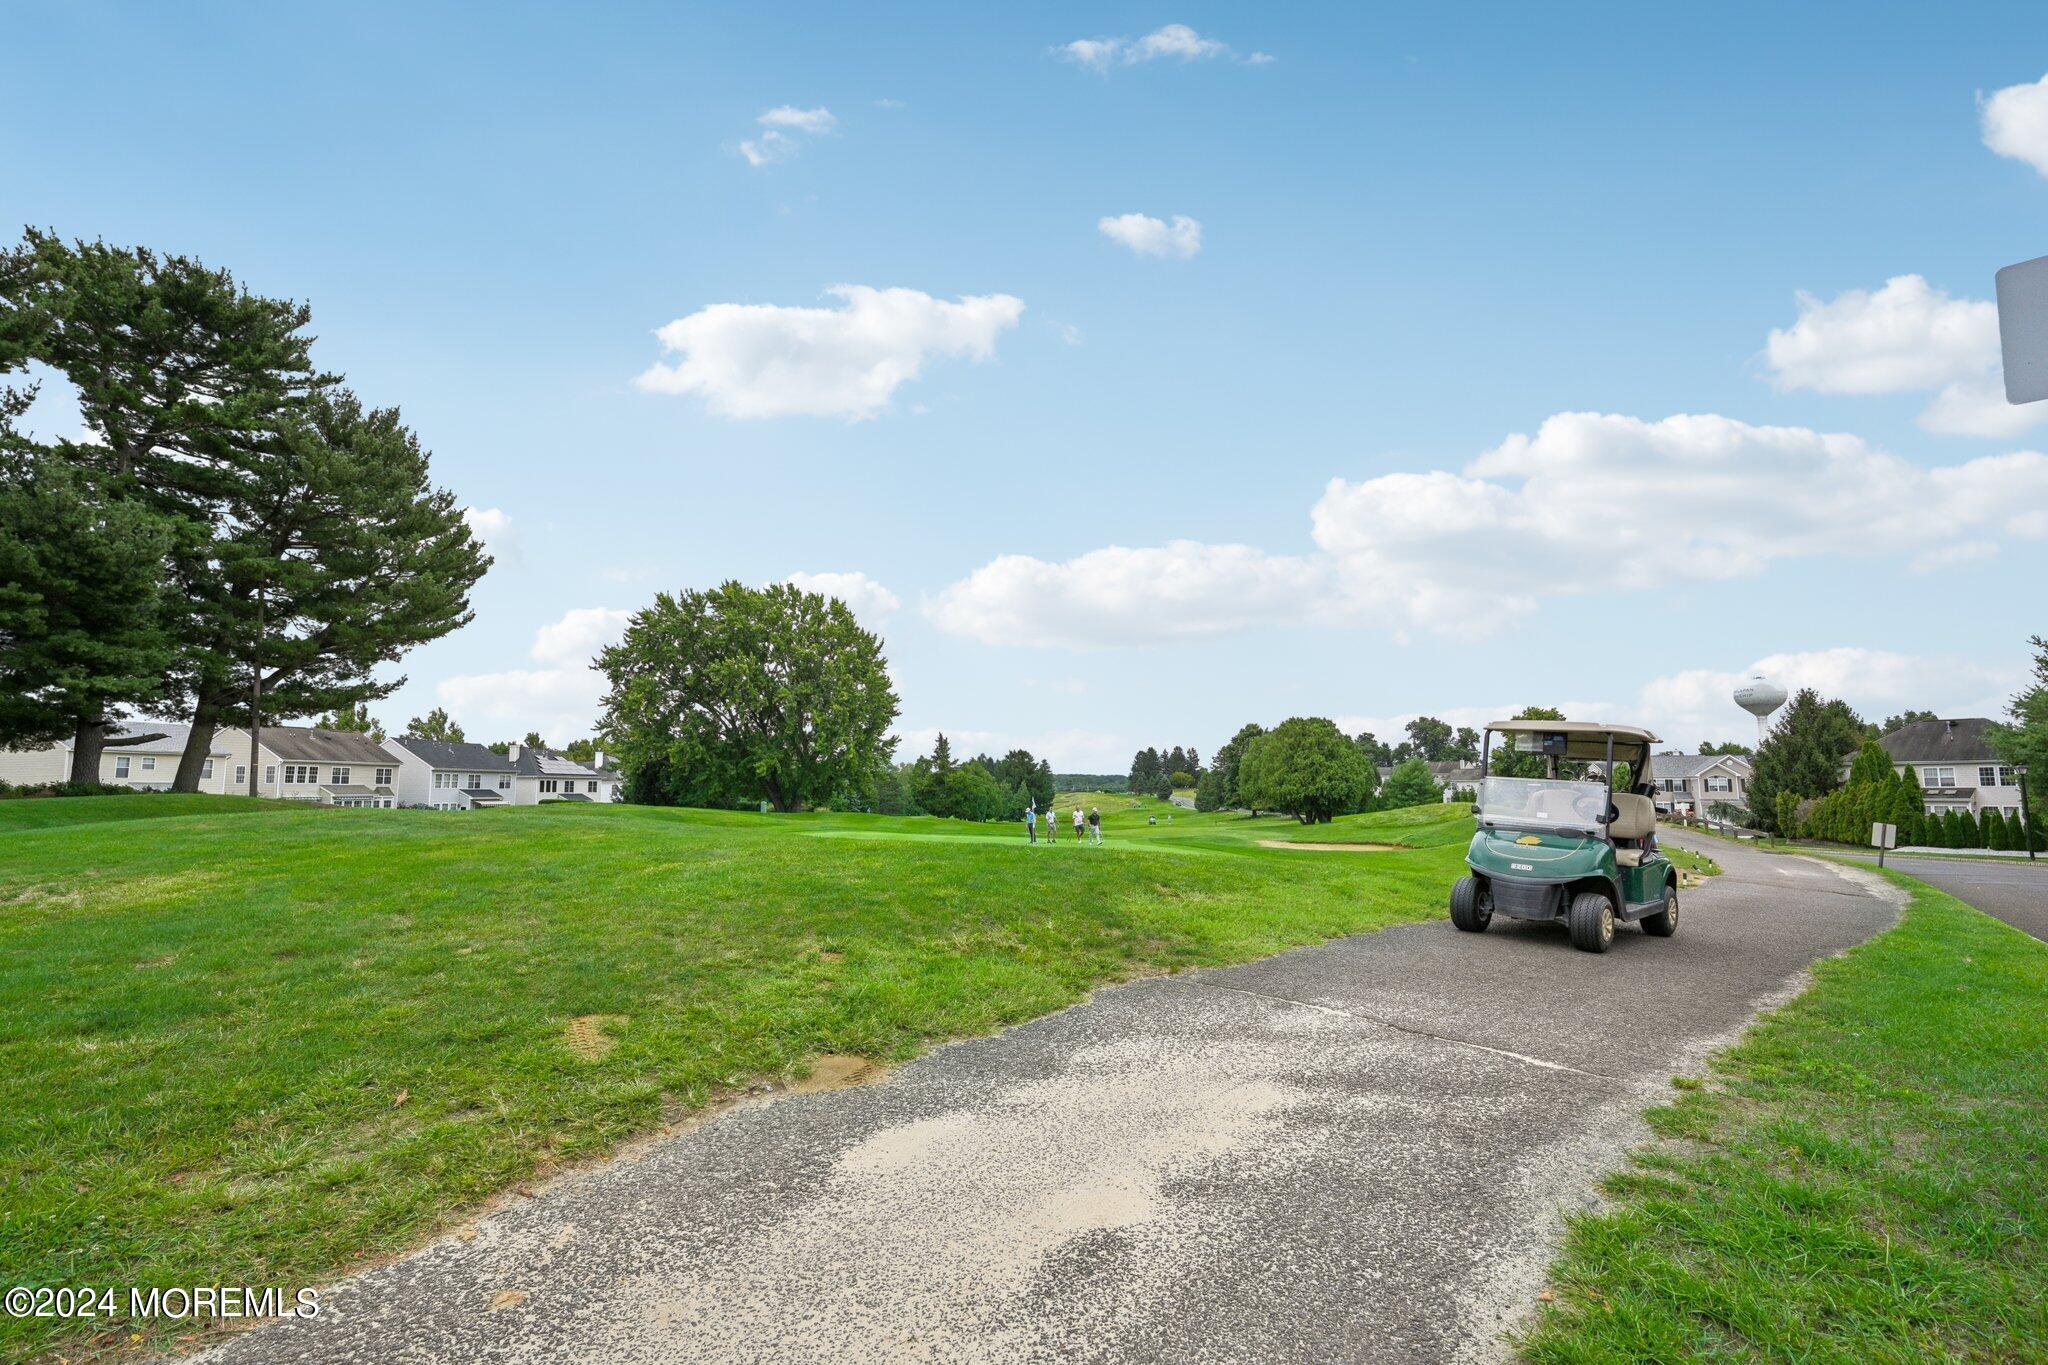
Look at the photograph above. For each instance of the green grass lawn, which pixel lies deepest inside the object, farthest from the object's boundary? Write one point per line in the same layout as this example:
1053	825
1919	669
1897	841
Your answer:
1859	1179
1698	863
42	812
252	1046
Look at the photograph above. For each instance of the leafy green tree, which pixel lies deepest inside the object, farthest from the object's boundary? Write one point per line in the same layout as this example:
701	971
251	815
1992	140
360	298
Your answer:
1209	790
1180	780
1892	723
1305	768
1431	738
1506	762
357	719
1465	745
1376	753
1410	784
2023	740
770	692
81	633
1727	747
436	725
1226	760
1804	751
1785	814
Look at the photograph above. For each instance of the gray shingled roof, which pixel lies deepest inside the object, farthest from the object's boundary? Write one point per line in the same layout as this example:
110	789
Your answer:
457	754
302	744
1942	741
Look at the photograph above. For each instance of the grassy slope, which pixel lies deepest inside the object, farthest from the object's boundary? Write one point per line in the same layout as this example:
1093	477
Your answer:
48	812
248	1049
1861	1180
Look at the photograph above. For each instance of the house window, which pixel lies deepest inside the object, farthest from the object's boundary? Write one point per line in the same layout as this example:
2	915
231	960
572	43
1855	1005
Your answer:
206	769
504	782
149	765
270	774
121	765
593	787
473	781
1720	784
341	777
444	779
383	777
547	784
2000	776
301	775
1937	777
241	776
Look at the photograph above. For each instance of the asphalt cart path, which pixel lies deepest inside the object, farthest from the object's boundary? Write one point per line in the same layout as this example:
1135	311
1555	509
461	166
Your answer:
2010	889
1355	1152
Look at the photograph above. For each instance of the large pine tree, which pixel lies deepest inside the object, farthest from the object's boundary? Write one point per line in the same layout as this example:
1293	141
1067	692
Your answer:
1804	752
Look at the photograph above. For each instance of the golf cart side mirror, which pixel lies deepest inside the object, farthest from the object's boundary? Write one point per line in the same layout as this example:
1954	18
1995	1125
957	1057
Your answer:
1475	808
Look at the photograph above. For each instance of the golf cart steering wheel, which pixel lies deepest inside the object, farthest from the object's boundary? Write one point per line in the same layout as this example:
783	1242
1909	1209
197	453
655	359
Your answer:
1588	808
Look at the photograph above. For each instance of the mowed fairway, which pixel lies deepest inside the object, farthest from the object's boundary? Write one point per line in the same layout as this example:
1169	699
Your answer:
254	1045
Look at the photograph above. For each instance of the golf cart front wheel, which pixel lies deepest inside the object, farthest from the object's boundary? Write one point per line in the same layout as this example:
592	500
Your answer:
1592	922
1471	906
1664	923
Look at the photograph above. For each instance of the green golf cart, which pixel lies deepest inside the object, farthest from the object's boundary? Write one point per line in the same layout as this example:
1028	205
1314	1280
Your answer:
1556	841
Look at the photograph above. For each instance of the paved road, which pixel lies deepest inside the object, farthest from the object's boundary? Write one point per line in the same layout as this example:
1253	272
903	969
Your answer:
1354	1152
2016	892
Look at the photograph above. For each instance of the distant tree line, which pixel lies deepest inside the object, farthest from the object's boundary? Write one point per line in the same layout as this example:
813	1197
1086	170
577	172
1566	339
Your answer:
980	788
227	515
1161	772
1091	782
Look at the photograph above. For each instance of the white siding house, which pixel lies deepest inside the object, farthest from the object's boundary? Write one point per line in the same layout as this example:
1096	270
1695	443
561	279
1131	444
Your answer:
453	775
544	775
148	766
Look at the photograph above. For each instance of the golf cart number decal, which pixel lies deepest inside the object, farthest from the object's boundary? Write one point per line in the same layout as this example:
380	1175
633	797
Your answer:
1522	867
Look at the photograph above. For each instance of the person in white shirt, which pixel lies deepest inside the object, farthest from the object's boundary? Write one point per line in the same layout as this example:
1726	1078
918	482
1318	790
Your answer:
1080	825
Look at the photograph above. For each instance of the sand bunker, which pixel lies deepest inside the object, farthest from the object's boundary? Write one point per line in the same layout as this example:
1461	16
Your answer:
837	1071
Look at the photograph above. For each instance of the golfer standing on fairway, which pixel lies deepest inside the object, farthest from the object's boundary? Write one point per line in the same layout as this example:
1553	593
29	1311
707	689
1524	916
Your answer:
1031	823
1080	825
1095	823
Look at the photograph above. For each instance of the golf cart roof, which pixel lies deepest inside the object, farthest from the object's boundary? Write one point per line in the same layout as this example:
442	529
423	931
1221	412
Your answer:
1633	734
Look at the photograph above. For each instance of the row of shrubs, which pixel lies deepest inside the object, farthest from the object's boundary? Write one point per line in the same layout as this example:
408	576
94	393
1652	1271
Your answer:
9	791
1875	794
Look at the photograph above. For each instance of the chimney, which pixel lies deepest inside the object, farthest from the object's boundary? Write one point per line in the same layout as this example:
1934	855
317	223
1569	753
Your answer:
1951	726
512	752
597	760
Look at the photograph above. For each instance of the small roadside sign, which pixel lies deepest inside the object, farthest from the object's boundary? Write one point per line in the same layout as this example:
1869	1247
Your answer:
1883	837
2023	329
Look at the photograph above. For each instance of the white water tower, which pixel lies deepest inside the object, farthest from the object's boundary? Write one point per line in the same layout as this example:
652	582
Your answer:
1759	696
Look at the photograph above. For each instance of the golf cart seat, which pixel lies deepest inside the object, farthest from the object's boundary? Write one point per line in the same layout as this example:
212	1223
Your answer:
1636	821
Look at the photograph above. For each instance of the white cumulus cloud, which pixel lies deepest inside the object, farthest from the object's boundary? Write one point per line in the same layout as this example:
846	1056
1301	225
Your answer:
492	527
560	698
1149	236
866	598
1906	337
783	130
1697	704
1181	591
1176	41
765	360
1583	506
2015	123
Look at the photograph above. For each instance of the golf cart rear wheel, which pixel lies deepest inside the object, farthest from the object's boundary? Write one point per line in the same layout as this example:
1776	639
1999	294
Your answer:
1471	906
1664	923
1592	922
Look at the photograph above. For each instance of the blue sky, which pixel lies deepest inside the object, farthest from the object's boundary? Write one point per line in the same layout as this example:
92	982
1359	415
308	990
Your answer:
1421	236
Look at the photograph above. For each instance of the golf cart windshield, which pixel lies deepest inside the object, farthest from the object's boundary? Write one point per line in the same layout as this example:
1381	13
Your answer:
1542	803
